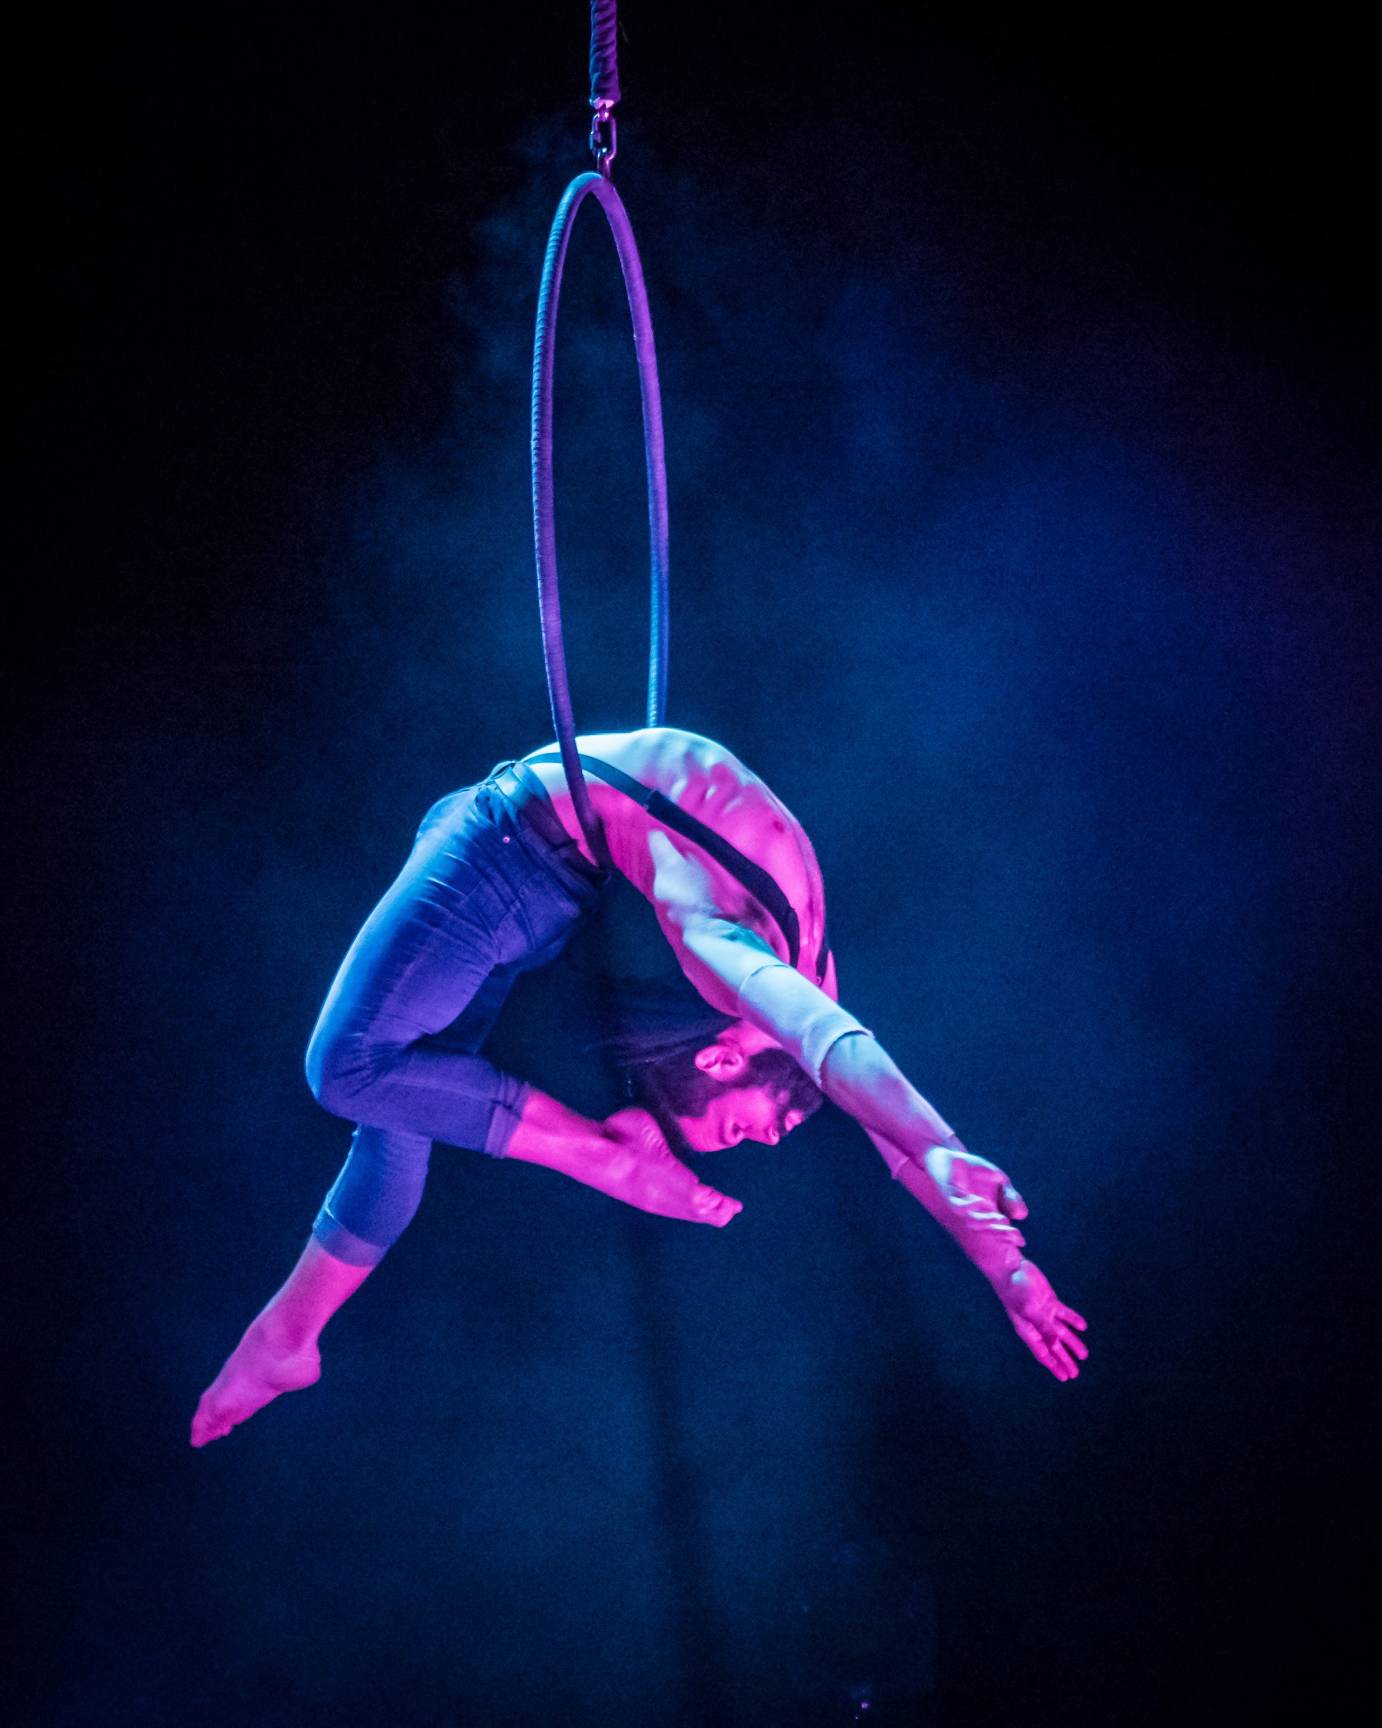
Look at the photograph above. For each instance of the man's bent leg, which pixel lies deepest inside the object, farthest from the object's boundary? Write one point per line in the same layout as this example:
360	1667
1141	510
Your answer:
376	1195
471	909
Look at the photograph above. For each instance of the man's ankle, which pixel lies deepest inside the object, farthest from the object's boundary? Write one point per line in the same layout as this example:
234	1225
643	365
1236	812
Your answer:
284	1333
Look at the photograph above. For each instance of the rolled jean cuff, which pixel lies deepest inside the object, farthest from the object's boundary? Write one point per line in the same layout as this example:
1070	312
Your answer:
503	1120
343	1244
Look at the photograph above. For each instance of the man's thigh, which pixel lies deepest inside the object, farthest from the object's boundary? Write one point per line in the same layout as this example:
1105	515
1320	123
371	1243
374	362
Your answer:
471	909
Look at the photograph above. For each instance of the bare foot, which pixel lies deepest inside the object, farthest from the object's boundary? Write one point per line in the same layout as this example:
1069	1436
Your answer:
639	1167
262	1365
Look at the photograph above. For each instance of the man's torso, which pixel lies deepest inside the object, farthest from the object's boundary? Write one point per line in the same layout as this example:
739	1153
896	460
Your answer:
706	781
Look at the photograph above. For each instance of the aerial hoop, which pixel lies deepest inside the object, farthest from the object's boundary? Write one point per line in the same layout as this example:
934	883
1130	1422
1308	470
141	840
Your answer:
604	94
544	505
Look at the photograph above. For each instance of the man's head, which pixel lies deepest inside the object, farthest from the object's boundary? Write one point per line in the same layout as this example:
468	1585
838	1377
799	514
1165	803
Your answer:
713	1093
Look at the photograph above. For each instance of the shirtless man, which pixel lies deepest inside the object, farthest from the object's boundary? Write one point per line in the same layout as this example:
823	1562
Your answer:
499	876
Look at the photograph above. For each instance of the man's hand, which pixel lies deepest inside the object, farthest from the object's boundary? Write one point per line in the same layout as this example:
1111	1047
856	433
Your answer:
1042	1321
971	1199
977	1204
983	1197
978	1190
637	1166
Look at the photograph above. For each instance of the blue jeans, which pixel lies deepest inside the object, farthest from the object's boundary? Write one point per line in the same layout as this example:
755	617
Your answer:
494	886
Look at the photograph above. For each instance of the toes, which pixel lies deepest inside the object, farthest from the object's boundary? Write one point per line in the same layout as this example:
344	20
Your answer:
709	1202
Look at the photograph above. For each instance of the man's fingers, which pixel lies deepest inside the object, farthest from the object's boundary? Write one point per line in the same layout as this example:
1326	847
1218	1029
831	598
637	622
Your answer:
1013	1203
1071	1342
975	1212
1038	1347
1051	1355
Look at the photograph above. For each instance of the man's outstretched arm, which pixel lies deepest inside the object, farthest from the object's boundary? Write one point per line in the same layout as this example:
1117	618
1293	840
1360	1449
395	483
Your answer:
972	1200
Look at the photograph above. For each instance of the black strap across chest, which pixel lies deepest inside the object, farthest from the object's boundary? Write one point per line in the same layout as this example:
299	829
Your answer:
750	875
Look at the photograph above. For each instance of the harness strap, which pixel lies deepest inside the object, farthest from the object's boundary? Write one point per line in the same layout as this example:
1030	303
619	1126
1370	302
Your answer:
757	880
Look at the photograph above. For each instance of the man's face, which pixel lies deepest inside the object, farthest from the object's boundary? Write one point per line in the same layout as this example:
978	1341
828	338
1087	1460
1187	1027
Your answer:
736	1113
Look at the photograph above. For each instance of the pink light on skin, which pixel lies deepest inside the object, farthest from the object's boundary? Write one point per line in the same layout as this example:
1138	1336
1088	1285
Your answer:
977	1205
741	1112
627	1155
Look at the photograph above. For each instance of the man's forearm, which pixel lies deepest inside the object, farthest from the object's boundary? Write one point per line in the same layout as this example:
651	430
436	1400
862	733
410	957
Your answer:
859	1075
917	1145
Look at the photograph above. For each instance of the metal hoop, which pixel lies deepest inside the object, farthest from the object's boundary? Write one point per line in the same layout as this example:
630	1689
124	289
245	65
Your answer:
544	502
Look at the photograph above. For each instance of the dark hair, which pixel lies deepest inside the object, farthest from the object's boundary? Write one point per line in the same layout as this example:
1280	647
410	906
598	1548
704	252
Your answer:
655	1029
672	1085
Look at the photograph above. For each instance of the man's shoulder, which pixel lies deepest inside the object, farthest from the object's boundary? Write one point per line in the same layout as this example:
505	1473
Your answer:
671	760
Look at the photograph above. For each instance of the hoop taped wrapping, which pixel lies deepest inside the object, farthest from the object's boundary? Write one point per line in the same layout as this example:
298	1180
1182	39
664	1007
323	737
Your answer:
544	502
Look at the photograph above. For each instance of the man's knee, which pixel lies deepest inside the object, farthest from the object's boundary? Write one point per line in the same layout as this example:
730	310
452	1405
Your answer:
332	1076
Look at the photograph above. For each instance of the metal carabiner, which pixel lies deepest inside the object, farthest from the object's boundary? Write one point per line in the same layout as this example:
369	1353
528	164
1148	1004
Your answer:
604	136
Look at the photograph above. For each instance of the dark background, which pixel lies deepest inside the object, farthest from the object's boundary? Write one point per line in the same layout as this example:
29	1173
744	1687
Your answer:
1017	388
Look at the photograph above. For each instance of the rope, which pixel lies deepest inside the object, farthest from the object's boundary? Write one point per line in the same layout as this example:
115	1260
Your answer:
604	82
604	52
544	501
